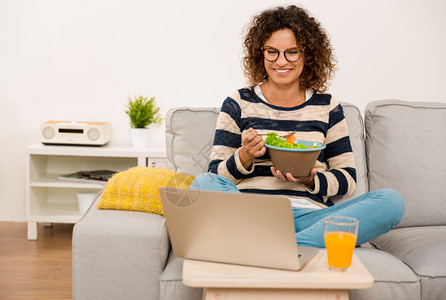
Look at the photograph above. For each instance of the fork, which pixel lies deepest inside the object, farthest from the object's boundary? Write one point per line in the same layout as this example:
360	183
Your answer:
282	136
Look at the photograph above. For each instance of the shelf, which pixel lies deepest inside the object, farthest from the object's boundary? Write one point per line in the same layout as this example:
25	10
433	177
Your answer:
50	180
109	150
56	213
51	200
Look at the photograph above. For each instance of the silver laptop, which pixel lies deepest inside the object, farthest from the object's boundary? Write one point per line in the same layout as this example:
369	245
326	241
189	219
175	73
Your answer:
236	228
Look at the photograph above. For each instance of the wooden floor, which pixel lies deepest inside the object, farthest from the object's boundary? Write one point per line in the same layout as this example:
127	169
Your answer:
35	269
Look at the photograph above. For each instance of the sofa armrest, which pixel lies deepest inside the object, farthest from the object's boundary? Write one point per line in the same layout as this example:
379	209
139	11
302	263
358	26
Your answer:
118	254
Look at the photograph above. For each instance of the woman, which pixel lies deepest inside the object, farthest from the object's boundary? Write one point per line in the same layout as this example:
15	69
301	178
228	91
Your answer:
288	60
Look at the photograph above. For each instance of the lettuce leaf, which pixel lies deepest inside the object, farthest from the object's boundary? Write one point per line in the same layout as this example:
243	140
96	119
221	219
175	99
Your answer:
273	140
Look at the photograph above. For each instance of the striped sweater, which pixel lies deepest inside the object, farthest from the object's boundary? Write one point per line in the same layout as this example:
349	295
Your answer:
319	119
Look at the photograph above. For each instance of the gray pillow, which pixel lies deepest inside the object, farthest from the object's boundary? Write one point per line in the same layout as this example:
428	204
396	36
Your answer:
356	132
406	150
189	138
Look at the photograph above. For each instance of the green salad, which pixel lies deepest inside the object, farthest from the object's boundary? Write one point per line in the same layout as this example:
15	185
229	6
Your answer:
273	140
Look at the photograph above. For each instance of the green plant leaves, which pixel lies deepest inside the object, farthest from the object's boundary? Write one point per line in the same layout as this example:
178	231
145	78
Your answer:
143	112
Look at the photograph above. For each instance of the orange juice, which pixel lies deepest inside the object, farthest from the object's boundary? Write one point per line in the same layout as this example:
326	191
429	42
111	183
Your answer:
340	247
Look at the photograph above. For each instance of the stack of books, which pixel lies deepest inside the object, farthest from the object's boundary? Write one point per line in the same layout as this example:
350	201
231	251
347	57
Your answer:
96	176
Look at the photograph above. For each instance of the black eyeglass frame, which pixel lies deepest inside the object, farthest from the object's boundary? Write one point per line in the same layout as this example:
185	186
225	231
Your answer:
284	53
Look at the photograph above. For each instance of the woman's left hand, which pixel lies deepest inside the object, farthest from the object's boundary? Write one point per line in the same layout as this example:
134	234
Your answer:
306	180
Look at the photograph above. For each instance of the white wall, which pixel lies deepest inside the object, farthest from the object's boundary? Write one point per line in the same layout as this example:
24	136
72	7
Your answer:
82	59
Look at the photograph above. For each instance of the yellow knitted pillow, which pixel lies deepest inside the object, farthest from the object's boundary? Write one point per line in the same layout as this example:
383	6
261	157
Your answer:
137	189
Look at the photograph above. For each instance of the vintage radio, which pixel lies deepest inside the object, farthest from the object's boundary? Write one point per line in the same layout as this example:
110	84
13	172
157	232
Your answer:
75	133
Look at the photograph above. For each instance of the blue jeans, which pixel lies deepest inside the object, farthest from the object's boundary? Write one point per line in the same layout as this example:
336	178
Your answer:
377	211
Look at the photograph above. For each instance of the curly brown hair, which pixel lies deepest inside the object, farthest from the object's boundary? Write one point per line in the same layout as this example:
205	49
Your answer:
319	62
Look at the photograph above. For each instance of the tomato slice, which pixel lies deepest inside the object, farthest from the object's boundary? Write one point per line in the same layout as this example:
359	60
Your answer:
291	139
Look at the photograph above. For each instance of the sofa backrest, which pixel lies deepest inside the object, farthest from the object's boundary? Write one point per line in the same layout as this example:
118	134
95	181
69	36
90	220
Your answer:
406	150
190	135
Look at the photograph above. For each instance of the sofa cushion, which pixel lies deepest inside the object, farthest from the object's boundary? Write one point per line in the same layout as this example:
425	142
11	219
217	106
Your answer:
422	248
393	278
137	189
171	283
189	138
405	146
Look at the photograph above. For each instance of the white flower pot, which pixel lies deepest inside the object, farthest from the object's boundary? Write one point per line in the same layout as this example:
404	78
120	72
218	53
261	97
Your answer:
84	200
139	137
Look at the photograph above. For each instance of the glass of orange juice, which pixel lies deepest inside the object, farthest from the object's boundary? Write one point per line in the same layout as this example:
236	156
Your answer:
340	235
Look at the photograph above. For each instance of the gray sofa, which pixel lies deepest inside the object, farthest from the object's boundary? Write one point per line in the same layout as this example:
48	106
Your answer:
127	255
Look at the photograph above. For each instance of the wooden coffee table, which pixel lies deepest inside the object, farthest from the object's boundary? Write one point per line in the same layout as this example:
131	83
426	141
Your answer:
314	281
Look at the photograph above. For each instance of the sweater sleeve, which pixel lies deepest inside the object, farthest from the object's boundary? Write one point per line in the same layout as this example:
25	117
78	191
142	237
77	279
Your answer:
225	159
339	178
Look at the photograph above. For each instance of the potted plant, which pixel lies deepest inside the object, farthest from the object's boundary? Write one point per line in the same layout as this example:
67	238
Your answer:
142	112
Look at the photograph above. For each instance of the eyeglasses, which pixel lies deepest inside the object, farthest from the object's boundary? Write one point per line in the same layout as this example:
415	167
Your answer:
291	54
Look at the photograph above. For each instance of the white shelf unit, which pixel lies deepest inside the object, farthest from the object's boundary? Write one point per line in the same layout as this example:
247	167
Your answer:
50	200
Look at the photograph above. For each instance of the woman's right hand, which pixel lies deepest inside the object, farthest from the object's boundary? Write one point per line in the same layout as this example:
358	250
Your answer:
252	146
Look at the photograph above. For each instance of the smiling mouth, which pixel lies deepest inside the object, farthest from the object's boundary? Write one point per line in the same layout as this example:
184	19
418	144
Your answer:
282	71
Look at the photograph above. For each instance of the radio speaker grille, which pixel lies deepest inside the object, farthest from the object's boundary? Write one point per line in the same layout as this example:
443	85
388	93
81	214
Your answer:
48	133
93	134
